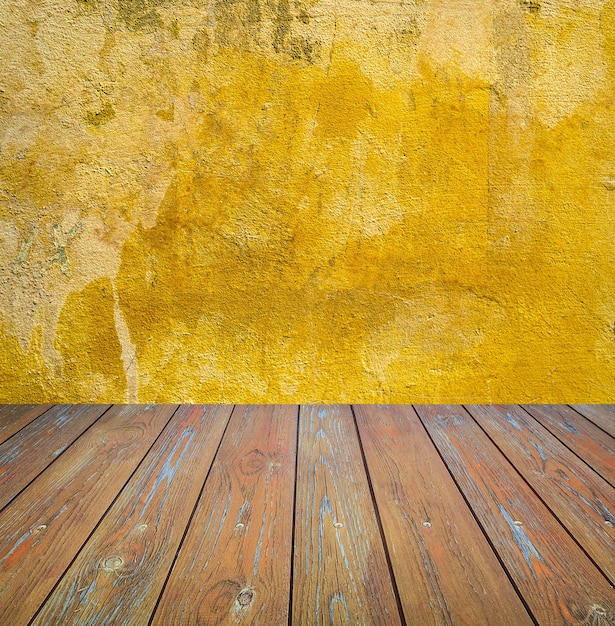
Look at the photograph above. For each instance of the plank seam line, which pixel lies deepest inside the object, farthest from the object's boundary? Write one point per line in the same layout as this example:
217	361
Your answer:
292	535
105	513
68	447
554	435
589	419
540	499
402	617
30	422
481	527
192	514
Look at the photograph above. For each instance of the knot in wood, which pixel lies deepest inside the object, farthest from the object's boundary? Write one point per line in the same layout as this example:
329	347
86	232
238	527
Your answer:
245	597
253	462
113	563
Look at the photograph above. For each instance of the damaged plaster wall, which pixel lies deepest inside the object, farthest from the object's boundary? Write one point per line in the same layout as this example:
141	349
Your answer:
295	201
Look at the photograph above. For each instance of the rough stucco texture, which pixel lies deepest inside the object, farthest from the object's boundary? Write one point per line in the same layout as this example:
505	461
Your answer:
276	201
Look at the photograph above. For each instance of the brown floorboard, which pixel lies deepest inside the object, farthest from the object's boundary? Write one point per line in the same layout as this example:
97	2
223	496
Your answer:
25	455
120	572
44	527
14	417
557	580
444	566
341	567
235	563
584	438
601	415
293	516
569	487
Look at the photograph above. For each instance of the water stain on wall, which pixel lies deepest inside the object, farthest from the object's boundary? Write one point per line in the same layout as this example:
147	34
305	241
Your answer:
271	201
87	340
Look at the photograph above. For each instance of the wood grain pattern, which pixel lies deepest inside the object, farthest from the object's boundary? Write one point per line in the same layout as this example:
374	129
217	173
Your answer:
46	525
119	574
14	417
234	565
445	569
583	437
33	448
341	571
579	498
109	531
602	415
558	581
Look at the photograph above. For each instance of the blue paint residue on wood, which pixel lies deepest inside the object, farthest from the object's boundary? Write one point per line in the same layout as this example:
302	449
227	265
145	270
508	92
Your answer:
169	469
338	598
523	542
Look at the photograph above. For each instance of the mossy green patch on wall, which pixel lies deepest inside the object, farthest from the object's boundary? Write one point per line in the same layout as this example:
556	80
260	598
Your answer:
291	202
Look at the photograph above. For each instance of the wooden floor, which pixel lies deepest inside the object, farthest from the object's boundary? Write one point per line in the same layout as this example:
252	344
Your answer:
306	515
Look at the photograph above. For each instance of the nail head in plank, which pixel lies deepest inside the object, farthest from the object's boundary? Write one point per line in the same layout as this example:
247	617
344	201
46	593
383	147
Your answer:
46	525
34	447
340	562
445	569
578	497
119	574
557	580
234	564
581	435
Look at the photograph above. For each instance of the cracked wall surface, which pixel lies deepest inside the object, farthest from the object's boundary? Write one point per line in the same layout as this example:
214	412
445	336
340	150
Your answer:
307	201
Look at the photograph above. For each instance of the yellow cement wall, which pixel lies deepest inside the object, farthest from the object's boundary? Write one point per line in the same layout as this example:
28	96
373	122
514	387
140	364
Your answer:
275	201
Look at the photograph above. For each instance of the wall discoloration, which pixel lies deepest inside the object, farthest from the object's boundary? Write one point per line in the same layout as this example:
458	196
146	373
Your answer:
87	341
272	201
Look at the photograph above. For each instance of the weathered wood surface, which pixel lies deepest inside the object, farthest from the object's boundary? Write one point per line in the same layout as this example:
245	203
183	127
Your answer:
601	415
445	569
234	565
341	573
558	581
13	417
46	525
119	574
152	515
582	501
579	434
35	446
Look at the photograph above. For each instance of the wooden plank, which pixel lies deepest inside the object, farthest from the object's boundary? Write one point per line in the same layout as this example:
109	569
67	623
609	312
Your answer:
582	501
583	437
234	565
559	583
602	415
32	449
119	574
445	569
341	570
14	417
46	525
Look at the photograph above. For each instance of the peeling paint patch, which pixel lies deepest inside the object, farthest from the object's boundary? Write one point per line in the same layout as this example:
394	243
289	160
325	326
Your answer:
88	342
102	116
